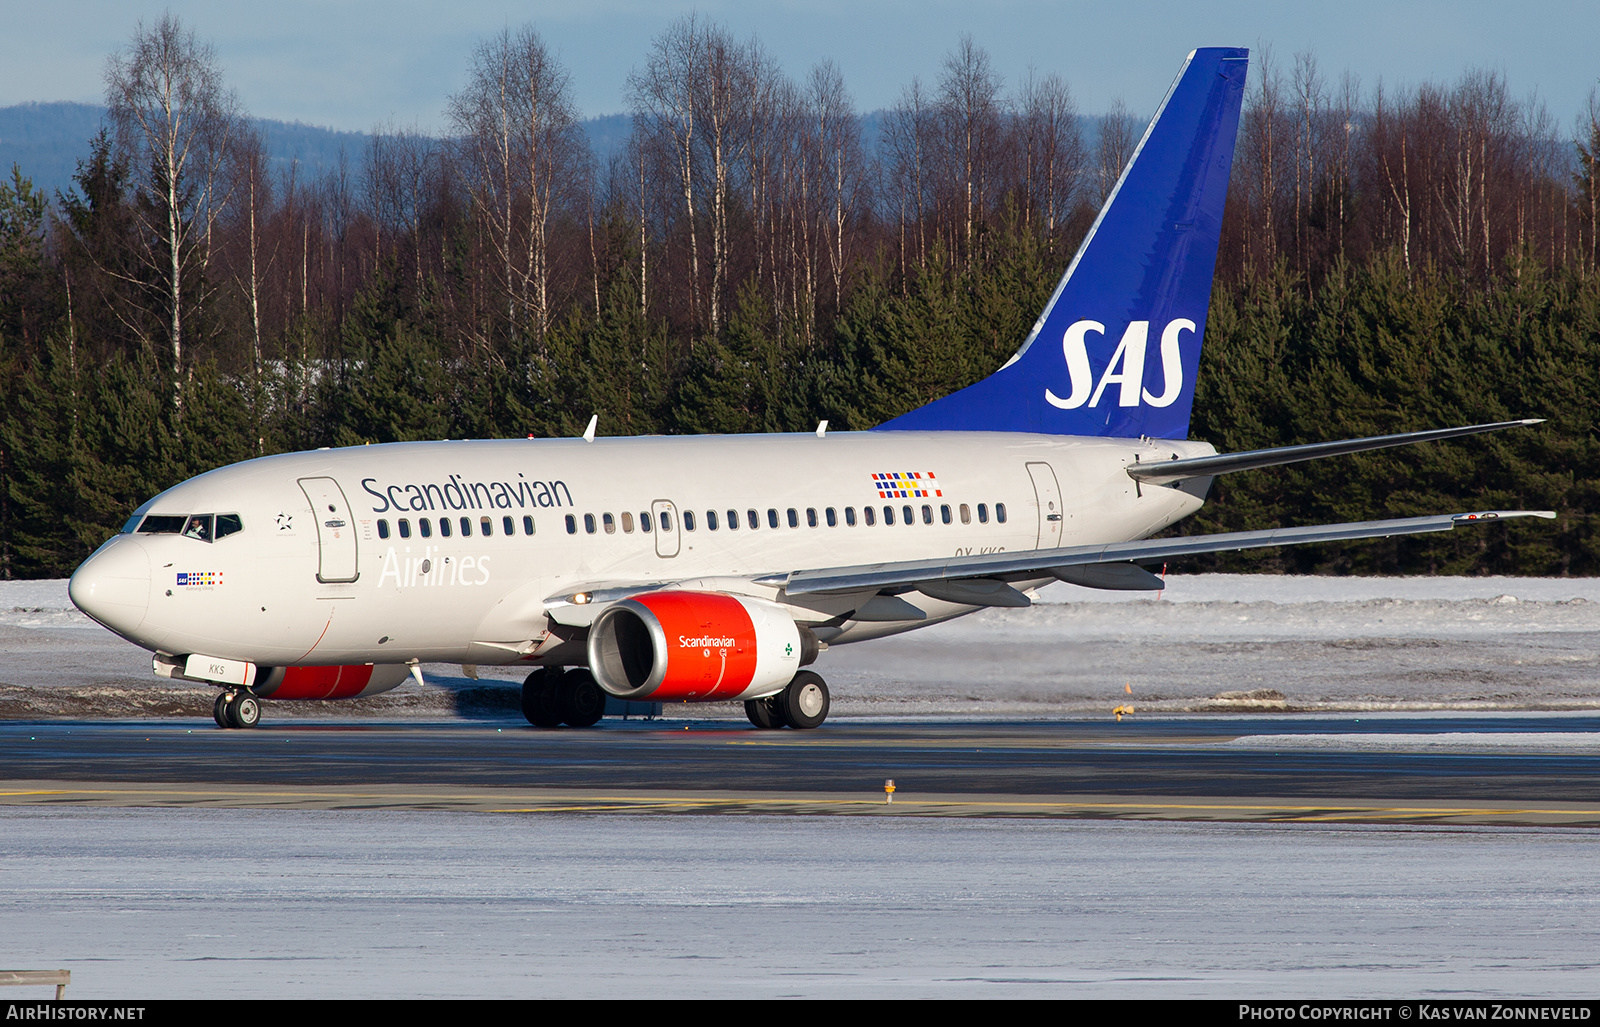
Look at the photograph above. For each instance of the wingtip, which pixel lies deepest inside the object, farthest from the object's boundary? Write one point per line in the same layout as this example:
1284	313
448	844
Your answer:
1533	420
1500	515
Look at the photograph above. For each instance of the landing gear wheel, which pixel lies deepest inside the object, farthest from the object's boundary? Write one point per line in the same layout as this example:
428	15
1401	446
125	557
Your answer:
244	710
583	702
219	710
805	701
541	697
765	713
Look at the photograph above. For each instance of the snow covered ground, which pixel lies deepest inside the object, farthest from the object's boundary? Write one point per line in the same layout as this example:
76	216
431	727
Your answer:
1257	641
282	904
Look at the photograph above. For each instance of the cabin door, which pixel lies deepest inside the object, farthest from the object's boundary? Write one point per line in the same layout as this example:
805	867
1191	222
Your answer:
336	530
1049	497
665	515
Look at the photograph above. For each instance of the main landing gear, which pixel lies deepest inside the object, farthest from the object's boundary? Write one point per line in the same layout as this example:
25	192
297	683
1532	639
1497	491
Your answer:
552	696
236	709
803	703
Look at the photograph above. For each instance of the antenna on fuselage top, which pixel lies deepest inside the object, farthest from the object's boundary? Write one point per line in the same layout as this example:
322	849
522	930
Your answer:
588	433
822	428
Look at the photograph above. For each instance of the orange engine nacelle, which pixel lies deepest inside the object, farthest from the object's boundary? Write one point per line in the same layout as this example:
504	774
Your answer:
697	646
328	682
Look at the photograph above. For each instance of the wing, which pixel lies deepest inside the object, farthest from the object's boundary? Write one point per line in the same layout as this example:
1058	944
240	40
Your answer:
1036	563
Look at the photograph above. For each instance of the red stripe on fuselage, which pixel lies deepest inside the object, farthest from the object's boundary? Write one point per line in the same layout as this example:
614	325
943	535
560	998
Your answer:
323	682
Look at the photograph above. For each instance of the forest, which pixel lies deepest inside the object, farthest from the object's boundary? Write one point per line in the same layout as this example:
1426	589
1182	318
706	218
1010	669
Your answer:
753	261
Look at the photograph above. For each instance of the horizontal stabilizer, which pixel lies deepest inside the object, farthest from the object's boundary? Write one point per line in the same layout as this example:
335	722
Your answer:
1043	562
1164	471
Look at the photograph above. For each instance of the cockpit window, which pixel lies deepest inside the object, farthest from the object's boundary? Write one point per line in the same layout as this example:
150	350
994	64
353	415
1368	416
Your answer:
203	527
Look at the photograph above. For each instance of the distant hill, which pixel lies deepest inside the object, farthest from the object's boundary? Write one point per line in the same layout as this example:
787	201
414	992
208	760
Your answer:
47	140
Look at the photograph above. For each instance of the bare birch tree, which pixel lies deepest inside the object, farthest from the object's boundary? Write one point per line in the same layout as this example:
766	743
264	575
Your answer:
1114	148
524	154
969	103
175	122
1050	148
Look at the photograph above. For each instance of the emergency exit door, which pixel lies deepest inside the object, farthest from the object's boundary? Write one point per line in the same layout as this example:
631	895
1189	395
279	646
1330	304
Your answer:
1049	497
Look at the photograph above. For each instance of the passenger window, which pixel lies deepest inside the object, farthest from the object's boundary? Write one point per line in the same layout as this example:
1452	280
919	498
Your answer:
627	523
794	518
1000	513
383	528
644	521
872	515
833	518
666	521
927	514
485	526
444	527
466	527
711	520
527	524
425	527
753	519
966	514
230	524
944	513
850	516
405	527
888	515
588	524
772	516
508	524
911	518
688	520
199	527
572	525
610	523
983	513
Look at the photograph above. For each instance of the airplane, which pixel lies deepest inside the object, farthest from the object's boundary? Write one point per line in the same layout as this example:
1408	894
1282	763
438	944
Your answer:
718	568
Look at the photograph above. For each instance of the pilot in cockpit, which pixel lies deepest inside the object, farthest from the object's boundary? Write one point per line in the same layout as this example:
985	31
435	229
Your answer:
199	527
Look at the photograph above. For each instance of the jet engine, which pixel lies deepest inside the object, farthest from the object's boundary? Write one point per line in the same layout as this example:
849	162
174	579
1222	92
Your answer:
696	646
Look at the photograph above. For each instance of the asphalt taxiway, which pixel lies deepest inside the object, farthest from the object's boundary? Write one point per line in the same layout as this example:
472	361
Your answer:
1459	769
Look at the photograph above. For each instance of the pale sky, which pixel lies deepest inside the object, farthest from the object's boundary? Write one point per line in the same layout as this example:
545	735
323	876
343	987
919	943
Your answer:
352	64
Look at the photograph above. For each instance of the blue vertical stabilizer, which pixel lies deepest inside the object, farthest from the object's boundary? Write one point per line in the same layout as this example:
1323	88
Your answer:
1117	348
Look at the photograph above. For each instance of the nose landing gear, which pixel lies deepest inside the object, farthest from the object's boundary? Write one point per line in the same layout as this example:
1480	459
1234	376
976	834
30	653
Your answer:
236	709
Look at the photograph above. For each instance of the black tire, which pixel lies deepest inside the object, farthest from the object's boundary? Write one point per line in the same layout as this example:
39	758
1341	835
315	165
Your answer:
583	702
805	701
219	710
244	710
766	713
541	697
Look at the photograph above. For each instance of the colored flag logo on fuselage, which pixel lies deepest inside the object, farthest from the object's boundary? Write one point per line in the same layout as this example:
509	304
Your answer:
906	484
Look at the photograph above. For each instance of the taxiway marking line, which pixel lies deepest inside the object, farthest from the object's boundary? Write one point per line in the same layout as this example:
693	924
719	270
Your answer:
1321	812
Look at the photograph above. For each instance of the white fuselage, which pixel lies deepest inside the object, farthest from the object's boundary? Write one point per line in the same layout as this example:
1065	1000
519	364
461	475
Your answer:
261	594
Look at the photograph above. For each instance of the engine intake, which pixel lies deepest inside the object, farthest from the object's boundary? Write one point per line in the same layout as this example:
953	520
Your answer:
696	646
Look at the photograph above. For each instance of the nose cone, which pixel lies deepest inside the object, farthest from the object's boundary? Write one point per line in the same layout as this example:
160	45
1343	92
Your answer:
113	585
